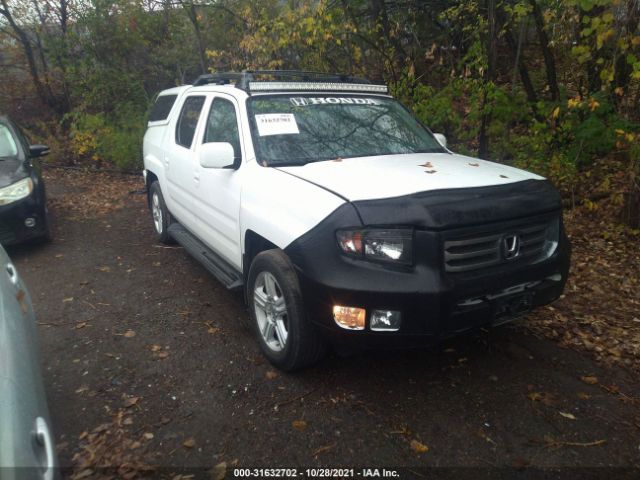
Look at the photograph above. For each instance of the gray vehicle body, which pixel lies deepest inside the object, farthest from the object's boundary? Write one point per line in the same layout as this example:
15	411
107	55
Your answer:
27	450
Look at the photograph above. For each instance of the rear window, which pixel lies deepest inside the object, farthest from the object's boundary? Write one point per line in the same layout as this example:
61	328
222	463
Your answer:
162	107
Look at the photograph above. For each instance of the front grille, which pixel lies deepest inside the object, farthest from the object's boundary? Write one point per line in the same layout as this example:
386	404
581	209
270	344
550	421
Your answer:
535	242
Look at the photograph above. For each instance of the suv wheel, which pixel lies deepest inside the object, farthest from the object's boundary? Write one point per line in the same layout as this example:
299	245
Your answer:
160	214
286	336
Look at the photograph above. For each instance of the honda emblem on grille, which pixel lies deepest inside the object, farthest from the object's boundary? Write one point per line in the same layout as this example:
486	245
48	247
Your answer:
510	246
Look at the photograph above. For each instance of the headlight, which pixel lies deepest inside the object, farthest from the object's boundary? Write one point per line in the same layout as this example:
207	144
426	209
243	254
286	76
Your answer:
384	245
16	191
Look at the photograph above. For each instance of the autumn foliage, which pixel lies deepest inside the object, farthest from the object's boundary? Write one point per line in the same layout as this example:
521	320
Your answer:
546	85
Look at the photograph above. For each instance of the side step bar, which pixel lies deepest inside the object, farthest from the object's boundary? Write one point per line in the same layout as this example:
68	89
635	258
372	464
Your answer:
214	263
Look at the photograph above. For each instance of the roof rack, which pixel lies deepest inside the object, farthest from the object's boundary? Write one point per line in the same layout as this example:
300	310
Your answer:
248	80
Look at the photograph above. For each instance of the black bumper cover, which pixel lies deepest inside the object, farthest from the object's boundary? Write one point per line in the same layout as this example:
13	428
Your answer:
12	217
434	303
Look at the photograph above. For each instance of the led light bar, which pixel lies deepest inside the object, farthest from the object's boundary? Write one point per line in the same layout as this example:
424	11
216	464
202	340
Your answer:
317	86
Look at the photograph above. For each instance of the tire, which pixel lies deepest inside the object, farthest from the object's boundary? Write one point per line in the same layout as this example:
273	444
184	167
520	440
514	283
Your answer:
273	287
159	214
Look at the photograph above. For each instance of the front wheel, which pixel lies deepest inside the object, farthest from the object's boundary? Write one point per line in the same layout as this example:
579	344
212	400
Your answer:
286	336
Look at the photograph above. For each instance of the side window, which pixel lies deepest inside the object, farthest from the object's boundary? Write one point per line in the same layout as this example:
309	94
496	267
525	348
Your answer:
188	120
162	107
222	125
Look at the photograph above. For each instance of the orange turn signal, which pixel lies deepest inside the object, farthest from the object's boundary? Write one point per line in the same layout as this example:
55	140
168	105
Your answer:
350	318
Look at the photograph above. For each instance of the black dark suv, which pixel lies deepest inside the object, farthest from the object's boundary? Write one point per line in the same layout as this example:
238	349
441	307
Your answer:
23	210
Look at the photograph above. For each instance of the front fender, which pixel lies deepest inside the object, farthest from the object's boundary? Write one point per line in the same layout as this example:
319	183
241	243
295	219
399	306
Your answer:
281	207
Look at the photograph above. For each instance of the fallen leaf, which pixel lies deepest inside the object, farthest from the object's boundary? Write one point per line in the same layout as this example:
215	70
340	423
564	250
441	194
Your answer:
271	374
474	164
219	471
570	416
324	449
163	355
131	401
67	300
589	380
129	334
189	443
82	389
80	325
127	421
542	397
155	348
503	176
21	297
430	171
104	269
299	424
148	435
583	396
165	420
87	472
418	447
426	165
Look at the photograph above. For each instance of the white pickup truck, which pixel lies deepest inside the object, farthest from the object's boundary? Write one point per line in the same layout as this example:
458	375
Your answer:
344	219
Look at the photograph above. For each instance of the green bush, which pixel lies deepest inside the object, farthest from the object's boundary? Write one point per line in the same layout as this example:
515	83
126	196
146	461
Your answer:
114	139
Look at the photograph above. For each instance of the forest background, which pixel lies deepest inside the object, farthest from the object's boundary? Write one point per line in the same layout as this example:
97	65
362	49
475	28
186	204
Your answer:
548	85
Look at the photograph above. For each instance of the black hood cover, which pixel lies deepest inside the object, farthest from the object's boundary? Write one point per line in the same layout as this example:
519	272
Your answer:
452	208
11	170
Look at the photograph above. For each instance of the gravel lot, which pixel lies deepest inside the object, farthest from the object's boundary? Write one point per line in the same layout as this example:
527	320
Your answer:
150	370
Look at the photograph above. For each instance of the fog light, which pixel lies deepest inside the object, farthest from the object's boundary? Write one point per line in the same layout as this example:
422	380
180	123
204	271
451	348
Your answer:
349	317
30	222
385	320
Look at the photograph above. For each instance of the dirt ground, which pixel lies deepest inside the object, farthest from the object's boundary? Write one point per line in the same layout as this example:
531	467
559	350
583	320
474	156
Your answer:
150	371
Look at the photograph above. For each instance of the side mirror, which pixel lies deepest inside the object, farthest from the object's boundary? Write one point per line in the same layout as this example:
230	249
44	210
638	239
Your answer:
217	155
38	150
442	140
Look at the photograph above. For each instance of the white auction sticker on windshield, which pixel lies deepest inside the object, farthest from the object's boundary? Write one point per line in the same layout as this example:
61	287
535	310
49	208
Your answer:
276	124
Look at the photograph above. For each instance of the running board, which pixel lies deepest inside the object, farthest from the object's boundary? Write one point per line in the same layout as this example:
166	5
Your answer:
214	263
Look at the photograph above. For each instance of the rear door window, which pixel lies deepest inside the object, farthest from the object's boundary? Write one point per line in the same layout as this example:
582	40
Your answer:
162	107
188	120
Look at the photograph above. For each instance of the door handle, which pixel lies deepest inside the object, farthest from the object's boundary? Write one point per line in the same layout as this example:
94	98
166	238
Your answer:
13	275
43	439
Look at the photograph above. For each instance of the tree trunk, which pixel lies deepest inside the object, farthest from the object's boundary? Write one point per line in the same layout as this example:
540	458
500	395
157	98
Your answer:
549	60
44	92
489	76
622	68
193	17
516	48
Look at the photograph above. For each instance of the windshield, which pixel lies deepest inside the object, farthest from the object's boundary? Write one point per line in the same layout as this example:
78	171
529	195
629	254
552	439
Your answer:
295	130
8	147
